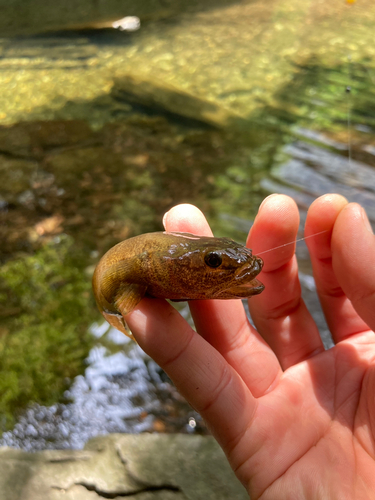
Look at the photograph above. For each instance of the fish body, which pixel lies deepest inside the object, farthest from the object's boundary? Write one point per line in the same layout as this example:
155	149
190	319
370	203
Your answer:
176	266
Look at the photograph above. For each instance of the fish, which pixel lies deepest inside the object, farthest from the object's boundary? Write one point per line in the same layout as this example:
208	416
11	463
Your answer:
172	265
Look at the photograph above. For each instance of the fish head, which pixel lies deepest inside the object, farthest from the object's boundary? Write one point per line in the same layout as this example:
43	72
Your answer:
211	268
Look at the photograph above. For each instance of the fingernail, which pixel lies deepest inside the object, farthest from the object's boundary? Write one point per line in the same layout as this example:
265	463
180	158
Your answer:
366	221
165	219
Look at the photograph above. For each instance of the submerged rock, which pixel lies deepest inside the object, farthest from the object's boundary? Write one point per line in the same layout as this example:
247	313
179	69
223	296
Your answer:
162	98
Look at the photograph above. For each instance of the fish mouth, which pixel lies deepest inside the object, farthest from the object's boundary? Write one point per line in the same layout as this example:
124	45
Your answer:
249	271
241	290
245	283
253	287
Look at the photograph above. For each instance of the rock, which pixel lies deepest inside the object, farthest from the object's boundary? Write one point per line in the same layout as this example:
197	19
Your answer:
161	97
299	175
143	466
339	168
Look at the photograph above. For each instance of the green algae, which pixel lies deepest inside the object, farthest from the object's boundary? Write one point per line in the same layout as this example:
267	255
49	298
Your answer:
43	346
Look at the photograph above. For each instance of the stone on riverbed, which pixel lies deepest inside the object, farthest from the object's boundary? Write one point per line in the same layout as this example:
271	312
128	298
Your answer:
162	98
143	467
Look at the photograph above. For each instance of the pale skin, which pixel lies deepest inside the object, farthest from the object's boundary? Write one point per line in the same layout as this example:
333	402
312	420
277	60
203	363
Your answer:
295	421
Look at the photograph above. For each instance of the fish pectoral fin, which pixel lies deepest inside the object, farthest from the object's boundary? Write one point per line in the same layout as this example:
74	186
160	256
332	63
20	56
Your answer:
129	295
126	299
118	322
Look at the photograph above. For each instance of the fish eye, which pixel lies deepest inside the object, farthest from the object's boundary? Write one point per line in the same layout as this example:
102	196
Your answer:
213	259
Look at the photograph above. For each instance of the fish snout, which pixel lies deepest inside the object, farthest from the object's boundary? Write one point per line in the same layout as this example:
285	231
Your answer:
258	262
250	270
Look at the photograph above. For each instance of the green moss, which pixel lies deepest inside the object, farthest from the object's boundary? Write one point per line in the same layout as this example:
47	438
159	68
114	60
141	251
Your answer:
49	339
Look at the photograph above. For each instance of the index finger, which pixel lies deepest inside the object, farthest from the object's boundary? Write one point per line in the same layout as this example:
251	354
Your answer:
223	323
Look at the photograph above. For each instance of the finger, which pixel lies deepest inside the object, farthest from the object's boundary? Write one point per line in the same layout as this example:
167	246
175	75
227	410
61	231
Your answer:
279	313
341	317
186	218
198	370
223	323
353	255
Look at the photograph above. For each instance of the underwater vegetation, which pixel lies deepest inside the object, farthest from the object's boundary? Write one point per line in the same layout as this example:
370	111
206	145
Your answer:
46	301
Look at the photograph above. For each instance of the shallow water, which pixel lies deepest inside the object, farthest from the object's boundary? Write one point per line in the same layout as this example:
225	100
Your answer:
123	391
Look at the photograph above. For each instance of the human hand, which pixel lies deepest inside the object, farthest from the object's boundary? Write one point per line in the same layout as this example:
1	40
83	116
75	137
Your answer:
294	420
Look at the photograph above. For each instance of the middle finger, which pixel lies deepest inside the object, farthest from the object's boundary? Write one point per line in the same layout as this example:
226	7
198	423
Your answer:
280	314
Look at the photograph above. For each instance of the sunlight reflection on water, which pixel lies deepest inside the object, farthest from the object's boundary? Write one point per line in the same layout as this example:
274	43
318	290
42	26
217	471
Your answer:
120	392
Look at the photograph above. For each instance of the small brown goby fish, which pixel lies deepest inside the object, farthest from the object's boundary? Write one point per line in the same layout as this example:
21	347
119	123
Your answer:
176	266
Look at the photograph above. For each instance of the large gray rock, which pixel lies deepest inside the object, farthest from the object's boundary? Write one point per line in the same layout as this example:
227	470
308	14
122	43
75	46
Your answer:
143	467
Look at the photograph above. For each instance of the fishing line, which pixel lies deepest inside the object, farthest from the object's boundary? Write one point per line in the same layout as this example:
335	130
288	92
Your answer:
349	126
349	106
291	242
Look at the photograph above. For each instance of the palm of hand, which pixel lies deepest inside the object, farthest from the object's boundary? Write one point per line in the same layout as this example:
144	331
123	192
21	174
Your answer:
294	420
322	426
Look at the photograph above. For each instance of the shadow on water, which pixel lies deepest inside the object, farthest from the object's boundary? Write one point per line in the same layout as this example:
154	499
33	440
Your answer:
319	96
68	193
